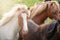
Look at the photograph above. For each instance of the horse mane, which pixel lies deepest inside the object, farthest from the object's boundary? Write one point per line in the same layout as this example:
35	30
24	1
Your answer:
50	4
12	13
42	6
6	18
38	8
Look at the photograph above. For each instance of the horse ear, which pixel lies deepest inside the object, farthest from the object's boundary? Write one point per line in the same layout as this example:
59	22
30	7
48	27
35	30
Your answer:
52	3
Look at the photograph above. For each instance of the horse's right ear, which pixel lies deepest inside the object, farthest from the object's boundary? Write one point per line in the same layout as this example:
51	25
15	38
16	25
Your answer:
52	3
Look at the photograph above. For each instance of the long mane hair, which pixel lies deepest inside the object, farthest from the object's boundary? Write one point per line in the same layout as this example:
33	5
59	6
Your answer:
13	12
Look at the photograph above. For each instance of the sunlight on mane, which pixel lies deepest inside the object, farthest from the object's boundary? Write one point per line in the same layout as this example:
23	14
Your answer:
7	16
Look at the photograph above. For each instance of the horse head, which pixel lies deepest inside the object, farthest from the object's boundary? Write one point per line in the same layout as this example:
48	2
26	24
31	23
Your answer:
52	9
41	10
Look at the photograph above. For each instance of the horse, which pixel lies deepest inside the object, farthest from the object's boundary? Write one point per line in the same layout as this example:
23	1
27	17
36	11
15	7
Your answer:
30	29
42	10
49	29
9	26
33	32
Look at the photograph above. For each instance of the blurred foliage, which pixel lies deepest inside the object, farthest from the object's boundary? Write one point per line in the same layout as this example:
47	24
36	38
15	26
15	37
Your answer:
6	5
48	20
29	2
57	0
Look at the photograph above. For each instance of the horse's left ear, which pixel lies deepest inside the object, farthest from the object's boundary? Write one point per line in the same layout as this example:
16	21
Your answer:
53	3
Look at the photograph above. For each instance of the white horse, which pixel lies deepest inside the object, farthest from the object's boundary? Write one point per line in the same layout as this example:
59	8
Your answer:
9	26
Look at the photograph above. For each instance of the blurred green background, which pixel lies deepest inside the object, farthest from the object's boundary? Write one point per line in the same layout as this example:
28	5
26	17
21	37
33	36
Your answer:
5	5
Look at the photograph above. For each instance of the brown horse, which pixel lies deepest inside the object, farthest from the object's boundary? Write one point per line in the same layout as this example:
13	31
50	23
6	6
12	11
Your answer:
48	31
44	32
33	32
40	11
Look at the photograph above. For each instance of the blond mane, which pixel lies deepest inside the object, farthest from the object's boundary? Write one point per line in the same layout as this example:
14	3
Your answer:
12	13
38	8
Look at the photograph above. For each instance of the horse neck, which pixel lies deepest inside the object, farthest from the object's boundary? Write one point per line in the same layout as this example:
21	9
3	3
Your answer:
11	28
40	18
7	17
